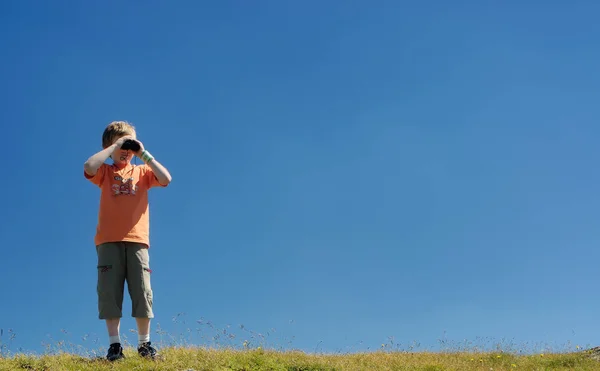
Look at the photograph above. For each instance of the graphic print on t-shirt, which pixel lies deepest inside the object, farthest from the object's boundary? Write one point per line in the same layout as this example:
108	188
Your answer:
124	187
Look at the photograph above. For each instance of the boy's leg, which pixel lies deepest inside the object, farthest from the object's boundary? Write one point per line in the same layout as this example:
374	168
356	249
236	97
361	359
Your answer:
111	280
143	326
140	290
113	326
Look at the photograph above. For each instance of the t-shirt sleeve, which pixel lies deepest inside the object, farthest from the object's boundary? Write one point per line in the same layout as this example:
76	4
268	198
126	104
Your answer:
150	178
98	178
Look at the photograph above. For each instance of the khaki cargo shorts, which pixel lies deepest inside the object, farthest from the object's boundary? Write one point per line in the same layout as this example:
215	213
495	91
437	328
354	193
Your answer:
119	262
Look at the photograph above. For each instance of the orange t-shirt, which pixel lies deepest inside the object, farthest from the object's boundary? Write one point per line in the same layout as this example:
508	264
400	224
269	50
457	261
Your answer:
124	212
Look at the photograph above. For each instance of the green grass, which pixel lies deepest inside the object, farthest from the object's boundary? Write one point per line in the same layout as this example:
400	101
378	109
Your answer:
180	359
240	349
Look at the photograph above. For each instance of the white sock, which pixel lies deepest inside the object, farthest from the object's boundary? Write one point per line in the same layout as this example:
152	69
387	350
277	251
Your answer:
114	339
143	339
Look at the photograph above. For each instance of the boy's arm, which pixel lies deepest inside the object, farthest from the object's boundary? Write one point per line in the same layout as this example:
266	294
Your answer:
162	174
93	163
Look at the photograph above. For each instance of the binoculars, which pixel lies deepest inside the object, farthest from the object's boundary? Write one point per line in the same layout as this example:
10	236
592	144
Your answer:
131	144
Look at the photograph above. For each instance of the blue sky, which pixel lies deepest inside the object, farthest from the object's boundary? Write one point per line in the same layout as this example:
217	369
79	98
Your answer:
343	171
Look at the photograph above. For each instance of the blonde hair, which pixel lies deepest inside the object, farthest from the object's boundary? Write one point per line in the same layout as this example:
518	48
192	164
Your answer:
116	130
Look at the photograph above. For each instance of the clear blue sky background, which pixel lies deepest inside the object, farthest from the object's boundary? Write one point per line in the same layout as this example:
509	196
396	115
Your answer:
343	171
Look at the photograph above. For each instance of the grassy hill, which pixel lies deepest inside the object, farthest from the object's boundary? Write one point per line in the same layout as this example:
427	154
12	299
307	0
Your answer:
197	359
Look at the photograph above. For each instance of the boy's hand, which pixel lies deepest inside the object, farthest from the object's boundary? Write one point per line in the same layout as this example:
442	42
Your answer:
139	153
119	142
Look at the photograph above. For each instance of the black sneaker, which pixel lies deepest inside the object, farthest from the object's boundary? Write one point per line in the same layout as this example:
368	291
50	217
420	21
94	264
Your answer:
115	352
146	350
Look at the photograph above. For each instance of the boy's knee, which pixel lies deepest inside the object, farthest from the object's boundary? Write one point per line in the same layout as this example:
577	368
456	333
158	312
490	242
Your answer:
142	306
110	304
141	297
111	280
139	283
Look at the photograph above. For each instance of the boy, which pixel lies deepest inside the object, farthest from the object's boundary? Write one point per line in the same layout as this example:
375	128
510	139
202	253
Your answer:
122	233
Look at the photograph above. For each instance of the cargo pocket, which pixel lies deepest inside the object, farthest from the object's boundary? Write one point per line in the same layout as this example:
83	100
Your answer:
147	285
104	268
103	278
108	296
149	298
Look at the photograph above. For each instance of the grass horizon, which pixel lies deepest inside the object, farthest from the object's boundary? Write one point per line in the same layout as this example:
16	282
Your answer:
209	347
198	358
